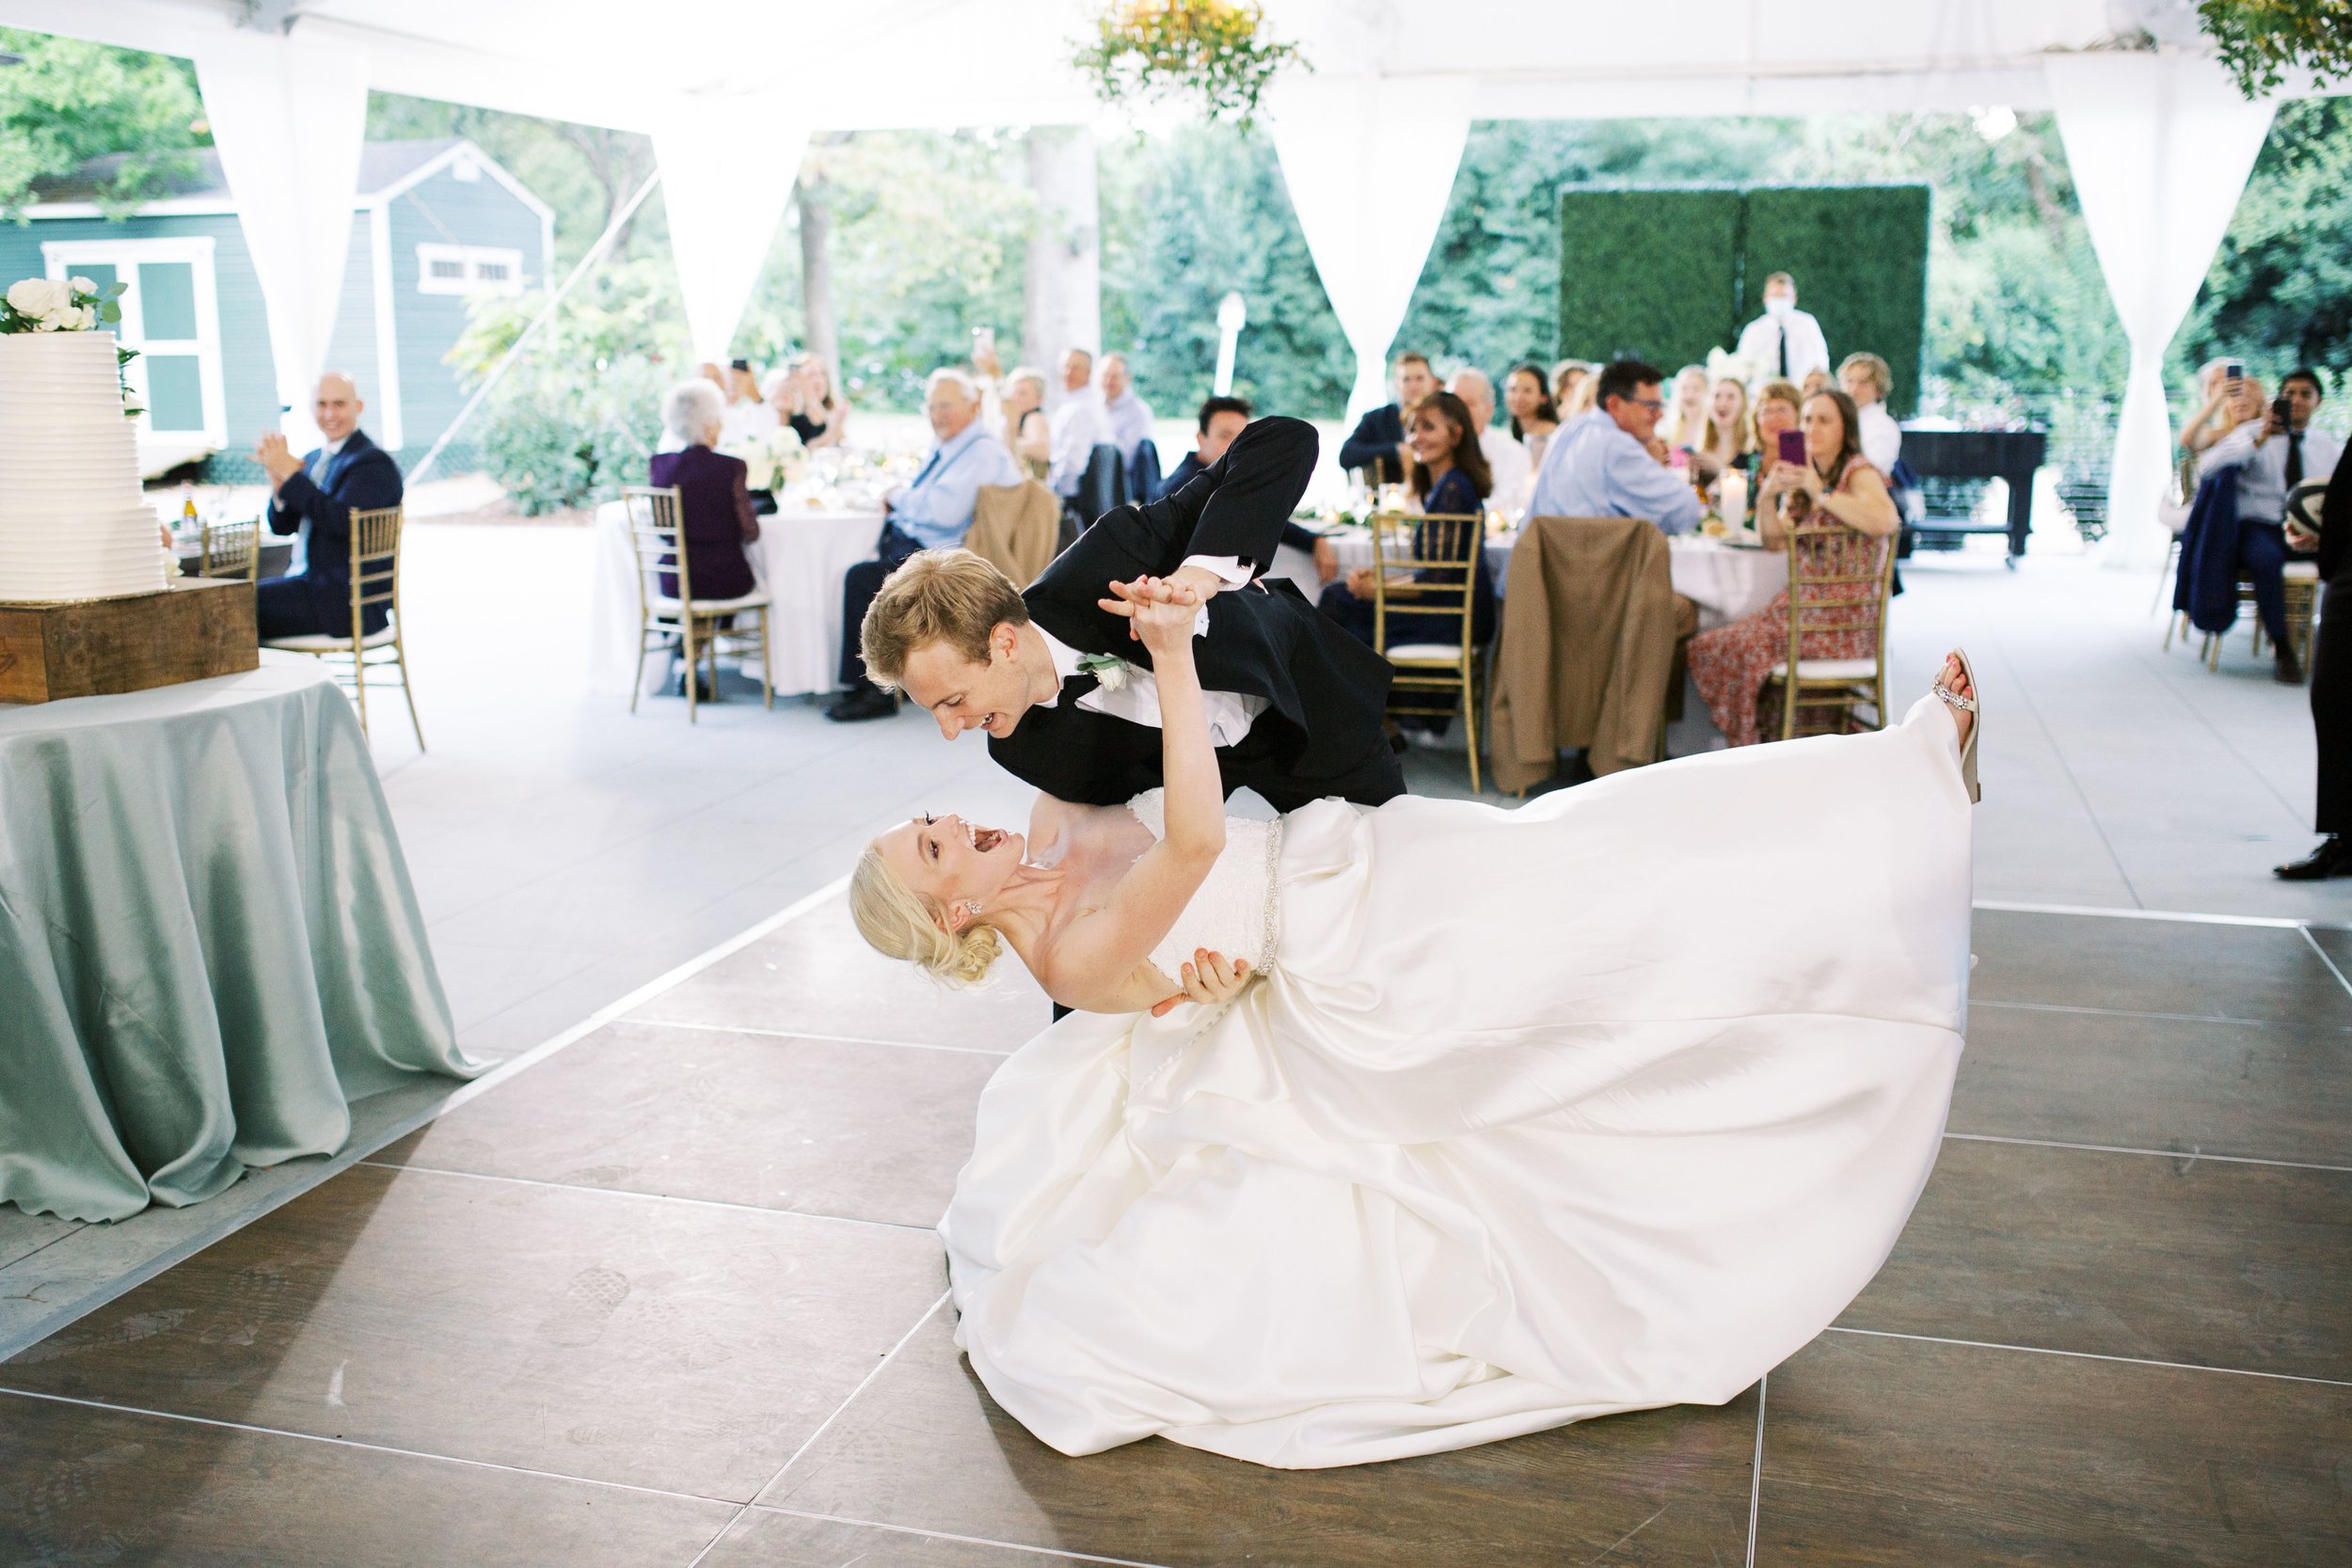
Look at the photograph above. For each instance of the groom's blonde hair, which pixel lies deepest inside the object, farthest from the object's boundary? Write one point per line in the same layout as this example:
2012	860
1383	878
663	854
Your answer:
951	596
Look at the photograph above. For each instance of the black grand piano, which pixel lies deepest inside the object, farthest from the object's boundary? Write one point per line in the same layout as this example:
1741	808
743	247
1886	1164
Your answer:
1966	455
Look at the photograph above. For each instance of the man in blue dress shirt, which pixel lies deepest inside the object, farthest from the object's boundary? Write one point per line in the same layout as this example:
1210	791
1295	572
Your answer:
932	513
1609	462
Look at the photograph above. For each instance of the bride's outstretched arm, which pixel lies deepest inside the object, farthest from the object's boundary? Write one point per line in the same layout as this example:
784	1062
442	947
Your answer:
1095	963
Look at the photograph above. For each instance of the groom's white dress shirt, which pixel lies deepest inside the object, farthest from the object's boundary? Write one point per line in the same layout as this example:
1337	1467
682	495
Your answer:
1138	700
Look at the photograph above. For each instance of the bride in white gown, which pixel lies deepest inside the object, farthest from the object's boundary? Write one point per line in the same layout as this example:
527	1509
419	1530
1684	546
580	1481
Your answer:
1512	1118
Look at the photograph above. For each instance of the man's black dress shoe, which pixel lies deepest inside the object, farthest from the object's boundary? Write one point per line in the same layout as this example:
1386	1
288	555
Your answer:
2333	858
2287	669
866	701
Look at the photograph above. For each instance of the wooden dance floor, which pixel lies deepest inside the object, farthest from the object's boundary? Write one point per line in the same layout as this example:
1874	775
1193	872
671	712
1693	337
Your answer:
668	1296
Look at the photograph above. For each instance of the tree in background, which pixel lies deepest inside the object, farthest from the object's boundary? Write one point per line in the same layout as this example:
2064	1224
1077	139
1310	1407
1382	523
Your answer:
2280	294
71	102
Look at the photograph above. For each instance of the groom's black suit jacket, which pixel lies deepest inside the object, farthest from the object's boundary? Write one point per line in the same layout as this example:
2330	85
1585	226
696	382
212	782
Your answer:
1321	733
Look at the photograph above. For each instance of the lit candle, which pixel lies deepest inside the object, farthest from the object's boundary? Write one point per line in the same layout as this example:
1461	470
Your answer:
1733	500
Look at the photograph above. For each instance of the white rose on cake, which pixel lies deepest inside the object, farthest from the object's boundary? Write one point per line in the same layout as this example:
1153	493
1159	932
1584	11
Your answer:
47	303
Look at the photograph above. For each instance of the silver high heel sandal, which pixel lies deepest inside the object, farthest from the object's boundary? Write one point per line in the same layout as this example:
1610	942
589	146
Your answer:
1965	705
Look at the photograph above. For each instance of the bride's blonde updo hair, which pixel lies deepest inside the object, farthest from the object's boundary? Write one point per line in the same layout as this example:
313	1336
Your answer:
900	922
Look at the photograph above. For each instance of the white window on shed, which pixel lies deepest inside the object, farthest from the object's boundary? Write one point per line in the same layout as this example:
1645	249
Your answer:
464	269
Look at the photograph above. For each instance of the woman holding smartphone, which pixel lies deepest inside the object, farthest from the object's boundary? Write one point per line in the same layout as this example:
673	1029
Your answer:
1818	476
2231	398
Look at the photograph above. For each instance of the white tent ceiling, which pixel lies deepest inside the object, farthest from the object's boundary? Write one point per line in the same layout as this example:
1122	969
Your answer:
1392	80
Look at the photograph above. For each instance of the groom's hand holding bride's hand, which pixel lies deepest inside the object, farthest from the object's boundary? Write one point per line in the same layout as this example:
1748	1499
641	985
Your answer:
1208	980
1166	603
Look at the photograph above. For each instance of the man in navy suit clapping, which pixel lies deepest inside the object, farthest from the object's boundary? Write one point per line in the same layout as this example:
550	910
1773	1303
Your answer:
350	473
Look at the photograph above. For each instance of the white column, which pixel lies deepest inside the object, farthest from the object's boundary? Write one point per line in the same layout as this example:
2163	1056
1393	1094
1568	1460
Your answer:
289	117
727	171
1370	164
2160	146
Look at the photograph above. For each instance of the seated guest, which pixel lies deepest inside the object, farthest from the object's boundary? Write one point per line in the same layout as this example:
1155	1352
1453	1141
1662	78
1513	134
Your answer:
1686	416
1221	419
1815	381
1379	446
2227	402
1724	437
317	494
714	502
1028	435
932	513
1127	417
1836	482
1778	408
1449	479
1784	343
819	416
1078	424
1610	462
1534	413
2272	455
1568	377
747	414
1506	461
1582	396
1867	379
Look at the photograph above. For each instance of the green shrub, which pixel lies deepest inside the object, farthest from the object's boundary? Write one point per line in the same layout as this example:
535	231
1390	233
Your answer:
1651	274
555	438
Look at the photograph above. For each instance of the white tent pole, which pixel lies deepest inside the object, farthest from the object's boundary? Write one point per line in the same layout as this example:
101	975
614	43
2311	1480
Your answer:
546	312
1370	164
288	118
2160	146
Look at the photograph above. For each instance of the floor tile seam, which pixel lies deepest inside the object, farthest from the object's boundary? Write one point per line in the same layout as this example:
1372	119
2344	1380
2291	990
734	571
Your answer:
2220	737
1755	1469
865	1382
723	1532
336	1164
76	1228
948	1535
2092	1355
2327	960
806	1034
2187	917
2193	1156
727	1204
2072	1011
2057	755
361	1444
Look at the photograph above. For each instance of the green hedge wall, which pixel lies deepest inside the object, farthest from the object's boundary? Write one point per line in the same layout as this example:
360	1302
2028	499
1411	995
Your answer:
1650	274
1668	273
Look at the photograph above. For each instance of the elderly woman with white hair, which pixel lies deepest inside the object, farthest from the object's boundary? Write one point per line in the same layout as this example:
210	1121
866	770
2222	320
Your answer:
714	498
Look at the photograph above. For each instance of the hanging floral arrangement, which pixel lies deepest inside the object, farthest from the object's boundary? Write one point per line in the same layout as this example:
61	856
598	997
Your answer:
1214	52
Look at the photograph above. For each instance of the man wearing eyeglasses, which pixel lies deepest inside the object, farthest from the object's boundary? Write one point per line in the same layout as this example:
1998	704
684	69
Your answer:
1609	462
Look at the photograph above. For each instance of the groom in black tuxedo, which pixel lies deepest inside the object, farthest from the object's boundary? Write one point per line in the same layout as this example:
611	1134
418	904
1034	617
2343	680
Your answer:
1296	703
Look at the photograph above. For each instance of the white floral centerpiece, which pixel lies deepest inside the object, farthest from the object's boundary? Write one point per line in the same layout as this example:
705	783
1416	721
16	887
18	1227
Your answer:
774	458
69	305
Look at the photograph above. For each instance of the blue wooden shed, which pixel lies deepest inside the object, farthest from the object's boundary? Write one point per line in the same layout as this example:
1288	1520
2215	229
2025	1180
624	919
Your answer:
432	223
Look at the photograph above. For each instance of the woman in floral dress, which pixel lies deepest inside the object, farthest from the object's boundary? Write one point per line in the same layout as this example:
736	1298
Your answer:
1730	663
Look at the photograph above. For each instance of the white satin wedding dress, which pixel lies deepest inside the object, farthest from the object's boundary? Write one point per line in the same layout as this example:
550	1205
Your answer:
1608	1102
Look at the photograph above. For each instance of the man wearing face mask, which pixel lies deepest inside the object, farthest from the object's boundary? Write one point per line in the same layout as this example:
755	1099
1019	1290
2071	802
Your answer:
1784	343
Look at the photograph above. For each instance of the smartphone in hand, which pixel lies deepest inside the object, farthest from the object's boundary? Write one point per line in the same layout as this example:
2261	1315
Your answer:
1792	446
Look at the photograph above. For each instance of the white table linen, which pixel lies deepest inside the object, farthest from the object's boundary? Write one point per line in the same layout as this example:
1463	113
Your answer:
800	557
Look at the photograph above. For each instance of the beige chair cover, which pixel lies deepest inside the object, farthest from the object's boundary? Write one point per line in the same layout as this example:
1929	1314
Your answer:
1016	528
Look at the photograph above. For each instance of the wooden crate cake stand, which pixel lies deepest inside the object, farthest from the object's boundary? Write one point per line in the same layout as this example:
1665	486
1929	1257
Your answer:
195	629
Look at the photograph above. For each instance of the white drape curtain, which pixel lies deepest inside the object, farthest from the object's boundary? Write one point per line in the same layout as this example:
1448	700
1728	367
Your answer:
288	118
2160	146
728	169
1370	164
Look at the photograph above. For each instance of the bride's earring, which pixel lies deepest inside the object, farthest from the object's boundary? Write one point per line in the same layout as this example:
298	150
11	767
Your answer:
972	908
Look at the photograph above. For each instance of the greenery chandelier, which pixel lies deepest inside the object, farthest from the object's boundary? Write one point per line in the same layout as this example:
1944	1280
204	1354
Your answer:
1213	53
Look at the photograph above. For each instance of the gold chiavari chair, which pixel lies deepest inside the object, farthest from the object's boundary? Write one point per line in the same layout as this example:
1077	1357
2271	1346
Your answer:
231	550
1436	670
657	521
1840	580
375	581
2300	586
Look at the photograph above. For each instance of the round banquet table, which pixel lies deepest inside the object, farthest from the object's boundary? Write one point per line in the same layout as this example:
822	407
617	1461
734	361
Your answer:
1729	582
800	558
209	946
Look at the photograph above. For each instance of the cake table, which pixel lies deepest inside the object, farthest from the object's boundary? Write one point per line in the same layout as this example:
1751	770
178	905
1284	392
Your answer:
209	944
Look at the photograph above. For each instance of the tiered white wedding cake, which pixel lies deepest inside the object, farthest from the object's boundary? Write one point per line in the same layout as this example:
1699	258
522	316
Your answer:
73	525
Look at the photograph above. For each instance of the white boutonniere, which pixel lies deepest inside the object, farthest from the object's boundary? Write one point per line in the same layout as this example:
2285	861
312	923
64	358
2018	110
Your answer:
1109	671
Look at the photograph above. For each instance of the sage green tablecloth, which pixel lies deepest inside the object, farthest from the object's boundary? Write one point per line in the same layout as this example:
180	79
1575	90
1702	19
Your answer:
208	942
